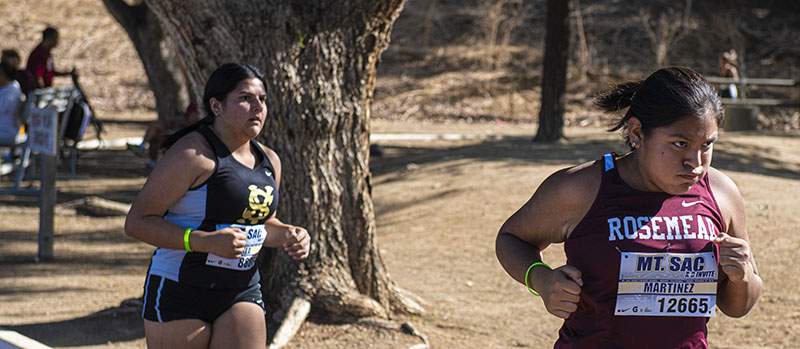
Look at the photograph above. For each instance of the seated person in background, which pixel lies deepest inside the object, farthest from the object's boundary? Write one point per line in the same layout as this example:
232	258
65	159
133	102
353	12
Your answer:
10	98
728	63
159	130
23	78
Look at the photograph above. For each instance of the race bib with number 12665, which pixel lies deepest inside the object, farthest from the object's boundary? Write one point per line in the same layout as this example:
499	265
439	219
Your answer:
667	284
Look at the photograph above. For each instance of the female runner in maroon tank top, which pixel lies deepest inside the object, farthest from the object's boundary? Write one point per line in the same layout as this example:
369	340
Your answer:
655	239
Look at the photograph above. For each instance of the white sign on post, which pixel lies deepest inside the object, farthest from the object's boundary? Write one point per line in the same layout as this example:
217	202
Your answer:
42	136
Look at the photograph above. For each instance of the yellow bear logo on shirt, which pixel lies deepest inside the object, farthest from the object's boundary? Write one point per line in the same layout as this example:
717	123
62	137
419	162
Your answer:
259	202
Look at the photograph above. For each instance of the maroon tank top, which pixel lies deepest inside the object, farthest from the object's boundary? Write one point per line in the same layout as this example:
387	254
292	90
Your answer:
623	219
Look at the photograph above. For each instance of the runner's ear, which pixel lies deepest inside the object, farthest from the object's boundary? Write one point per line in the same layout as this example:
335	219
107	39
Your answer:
635	133
216	106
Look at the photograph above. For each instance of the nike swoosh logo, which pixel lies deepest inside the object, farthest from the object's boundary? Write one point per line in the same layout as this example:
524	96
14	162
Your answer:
690	204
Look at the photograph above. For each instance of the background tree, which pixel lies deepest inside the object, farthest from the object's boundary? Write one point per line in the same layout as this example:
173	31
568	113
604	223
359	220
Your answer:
320	59
155	51
554	72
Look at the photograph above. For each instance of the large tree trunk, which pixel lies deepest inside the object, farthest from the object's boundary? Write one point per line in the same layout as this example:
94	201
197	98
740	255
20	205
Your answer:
160	65
554	72
320	59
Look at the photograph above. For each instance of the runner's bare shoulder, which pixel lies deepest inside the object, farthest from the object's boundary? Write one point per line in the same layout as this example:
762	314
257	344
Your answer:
274	160
576	188
729	200
192	155
557	206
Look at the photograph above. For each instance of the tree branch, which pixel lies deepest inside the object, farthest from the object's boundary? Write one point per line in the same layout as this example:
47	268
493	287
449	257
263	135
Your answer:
130	17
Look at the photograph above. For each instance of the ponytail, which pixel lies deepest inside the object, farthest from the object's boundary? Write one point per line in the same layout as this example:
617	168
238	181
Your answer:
172	139
618	98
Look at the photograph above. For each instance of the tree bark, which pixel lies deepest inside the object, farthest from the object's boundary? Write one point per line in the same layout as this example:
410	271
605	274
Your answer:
159	62
554	72
320	61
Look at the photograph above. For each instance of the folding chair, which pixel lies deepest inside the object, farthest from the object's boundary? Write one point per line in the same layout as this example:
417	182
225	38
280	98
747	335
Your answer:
62	99
21	143
16	143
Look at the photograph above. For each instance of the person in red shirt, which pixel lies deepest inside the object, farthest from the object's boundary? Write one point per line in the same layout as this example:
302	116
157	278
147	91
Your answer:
40	63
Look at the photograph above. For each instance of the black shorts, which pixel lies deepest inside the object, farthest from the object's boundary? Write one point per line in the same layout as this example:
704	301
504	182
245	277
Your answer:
167	300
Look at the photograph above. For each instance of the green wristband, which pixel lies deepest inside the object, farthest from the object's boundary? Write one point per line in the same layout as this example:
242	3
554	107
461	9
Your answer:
528	272
186	239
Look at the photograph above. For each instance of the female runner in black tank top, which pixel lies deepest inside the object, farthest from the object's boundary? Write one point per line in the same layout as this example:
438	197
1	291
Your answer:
235	96
661	206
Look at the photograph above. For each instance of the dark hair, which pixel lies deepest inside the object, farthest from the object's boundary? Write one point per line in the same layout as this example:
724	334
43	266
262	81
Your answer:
221	82
665	97
7	70
49	33
9	53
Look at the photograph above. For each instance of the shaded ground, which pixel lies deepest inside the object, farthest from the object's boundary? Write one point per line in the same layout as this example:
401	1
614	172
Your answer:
439	205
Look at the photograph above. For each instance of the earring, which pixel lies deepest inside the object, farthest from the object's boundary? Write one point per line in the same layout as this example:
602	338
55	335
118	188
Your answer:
634	144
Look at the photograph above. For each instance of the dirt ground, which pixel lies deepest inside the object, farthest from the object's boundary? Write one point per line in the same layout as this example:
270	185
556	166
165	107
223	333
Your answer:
439	205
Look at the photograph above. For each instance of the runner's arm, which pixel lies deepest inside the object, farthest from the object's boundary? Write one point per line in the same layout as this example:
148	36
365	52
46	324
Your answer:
187	164
739	284
295	240
548	217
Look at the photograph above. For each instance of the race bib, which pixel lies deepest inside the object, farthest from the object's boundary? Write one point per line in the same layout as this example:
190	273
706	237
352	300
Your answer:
255	240
667	284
